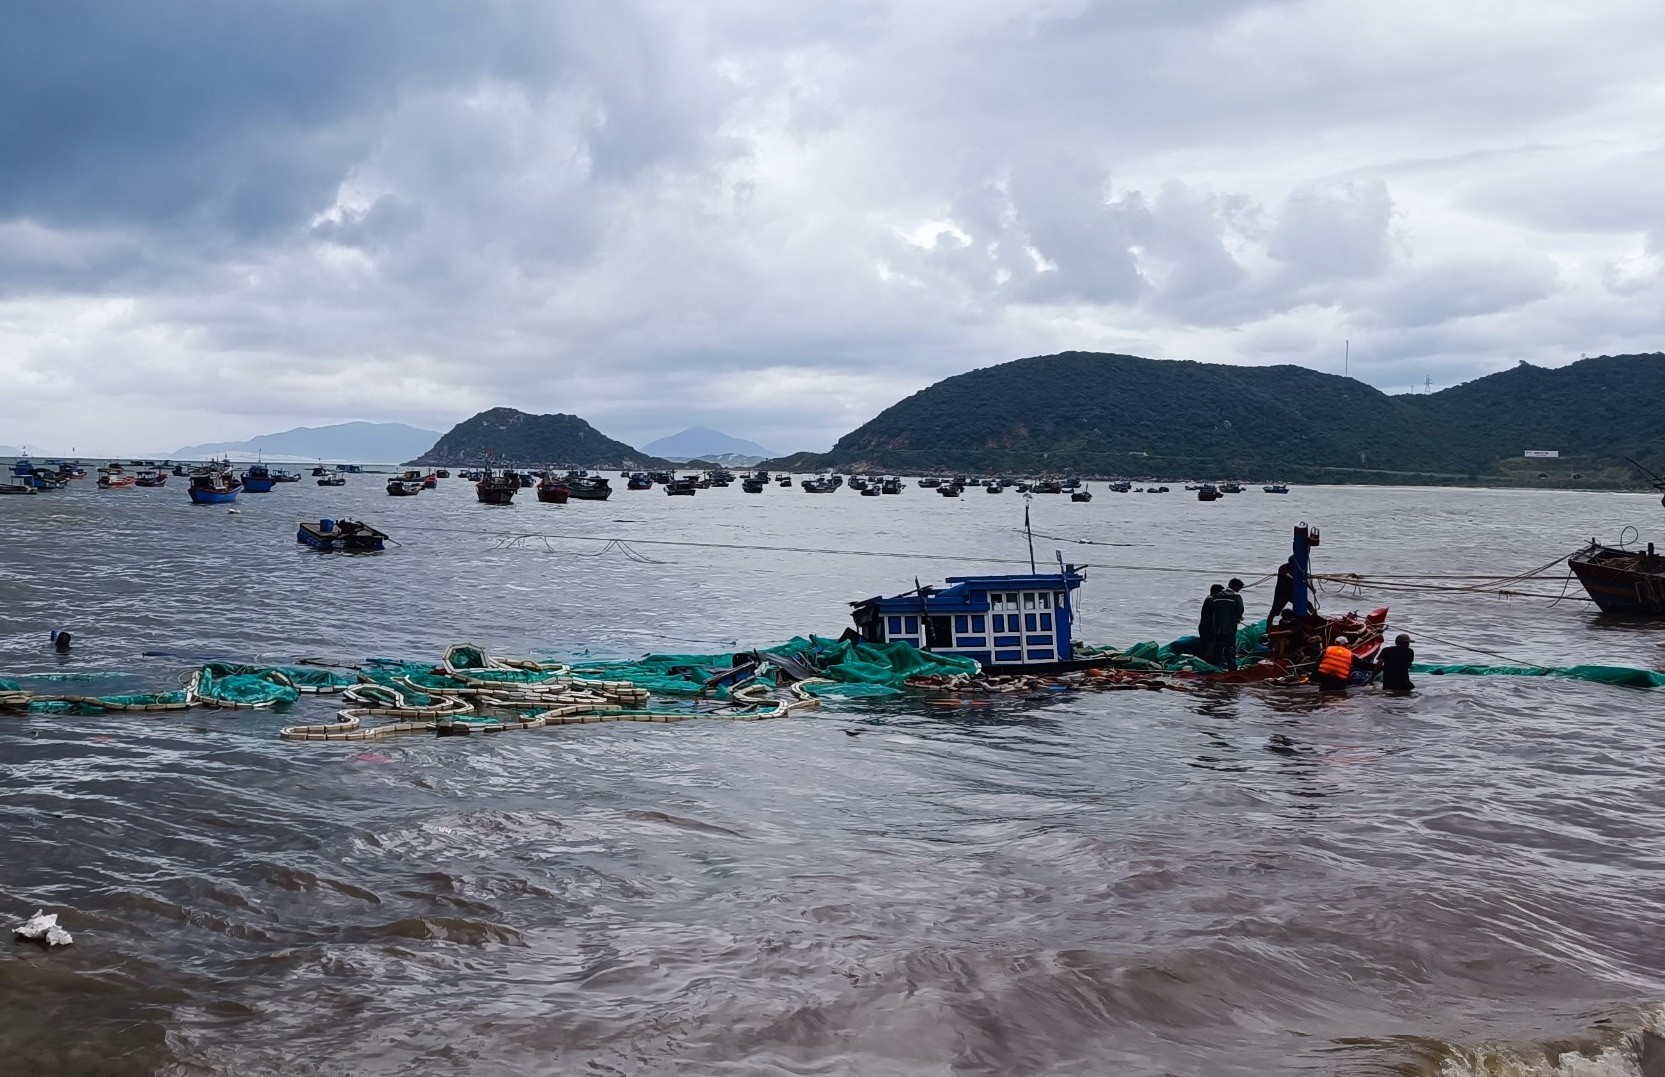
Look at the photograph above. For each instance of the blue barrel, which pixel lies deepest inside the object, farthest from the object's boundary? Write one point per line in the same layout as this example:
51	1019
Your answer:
326	525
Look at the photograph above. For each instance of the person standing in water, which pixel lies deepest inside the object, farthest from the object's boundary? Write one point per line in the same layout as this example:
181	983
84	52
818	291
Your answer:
1335	666
1395	664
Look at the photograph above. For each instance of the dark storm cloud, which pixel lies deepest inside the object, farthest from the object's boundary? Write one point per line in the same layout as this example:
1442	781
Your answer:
778	218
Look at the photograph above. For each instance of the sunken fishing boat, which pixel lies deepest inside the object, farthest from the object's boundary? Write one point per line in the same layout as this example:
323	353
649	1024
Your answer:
340	536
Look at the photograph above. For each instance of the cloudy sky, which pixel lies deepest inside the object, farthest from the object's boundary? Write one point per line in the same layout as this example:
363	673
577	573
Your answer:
221	218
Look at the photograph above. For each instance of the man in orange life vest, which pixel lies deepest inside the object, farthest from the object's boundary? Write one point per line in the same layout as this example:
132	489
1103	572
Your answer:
1335	666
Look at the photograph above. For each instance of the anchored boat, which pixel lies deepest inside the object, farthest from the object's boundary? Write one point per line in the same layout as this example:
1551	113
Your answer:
258	479
495	487
1622	582
214	487
552	491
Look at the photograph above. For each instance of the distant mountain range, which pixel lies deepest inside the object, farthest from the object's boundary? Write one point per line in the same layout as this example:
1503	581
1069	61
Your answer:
1122	415
10	450
702	443
355	442
507	436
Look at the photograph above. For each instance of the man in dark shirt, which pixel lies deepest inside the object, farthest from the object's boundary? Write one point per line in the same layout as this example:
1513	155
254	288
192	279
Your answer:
1395	664
1228	615
1283	592
1205	624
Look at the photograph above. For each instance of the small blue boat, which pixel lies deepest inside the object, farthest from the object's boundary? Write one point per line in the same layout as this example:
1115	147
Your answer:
214	488
258	479
1006	623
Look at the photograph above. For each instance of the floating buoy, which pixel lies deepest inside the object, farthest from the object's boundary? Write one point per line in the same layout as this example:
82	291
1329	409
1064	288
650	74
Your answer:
234	512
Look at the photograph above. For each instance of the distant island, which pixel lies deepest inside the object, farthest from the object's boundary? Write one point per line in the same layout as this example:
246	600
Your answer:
508	436
1122	415
355	442
702	443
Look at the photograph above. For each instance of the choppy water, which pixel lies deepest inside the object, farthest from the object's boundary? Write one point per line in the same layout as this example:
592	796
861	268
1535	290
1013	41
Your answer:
1239	881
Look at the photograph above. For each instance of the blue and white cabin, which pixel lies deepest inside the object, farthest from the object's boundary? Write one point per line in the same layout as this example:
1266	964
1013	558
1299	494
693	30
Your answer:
1004	621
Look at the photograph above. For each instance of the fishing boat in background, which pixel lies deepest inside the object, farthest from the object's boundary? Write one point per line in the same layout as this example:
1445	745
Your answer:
331	478
1206	492
430	481
681	488
822	485
151	478
442	474
639	481
553	491
36	478
115	477
892	485
590	488
286	476
1082	494
400	487
1276	488
1620	581
952	489
214	487
496	487
347	536
258	479
753	484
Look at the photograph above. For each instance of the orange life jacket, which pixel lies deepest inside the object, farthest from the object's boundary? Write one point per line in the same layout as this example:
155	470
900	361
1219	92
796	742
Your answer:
1337	662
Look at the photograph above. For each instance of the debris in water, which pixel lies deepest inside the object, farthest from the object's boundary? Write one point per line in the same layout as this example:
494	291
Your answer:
43	928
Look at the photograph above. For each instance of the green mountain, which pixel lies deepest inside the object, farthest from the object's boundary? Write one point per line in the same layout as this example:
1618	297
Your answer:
507	436
1123	415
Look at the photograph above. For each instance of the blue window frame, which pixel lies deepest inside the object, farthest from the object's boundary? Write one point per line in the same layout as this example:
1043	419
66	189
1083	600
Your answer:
911	625
896	626
1029	624
1046	622
962	624
1008	656
977	622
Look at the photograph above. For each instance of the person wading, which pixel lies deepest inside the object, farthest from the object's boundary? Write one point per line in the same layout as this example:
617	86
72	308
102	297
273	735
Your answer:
1395	664
1335	666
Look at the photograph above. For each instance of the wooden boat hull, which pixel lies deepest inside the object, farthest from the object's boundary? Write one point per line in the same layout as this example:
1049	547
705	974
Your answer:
1621	583
553	495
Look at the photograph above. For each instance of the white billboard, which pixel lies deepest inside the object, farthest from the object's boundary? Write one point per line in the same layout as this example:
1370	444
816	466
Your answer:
1535	454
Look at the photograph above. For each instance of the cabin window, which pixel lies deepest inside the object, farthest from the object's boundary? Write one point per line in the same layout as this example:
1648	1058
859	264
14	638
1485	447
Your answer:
1046	622
997	601
977	623
938	632
911	625
962	624
1029	623
896	626
1045	600
1011	600
1058	600
1028	600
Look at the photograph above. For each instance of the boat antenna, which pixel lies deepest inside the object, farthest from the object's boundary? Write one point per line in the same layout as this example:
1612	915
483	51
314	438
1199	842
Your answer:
1029	534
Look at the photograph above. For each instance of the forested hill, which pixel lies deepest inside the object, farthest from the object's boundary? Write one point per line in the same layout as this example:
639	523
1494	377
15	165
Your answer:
507	436
1124	415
